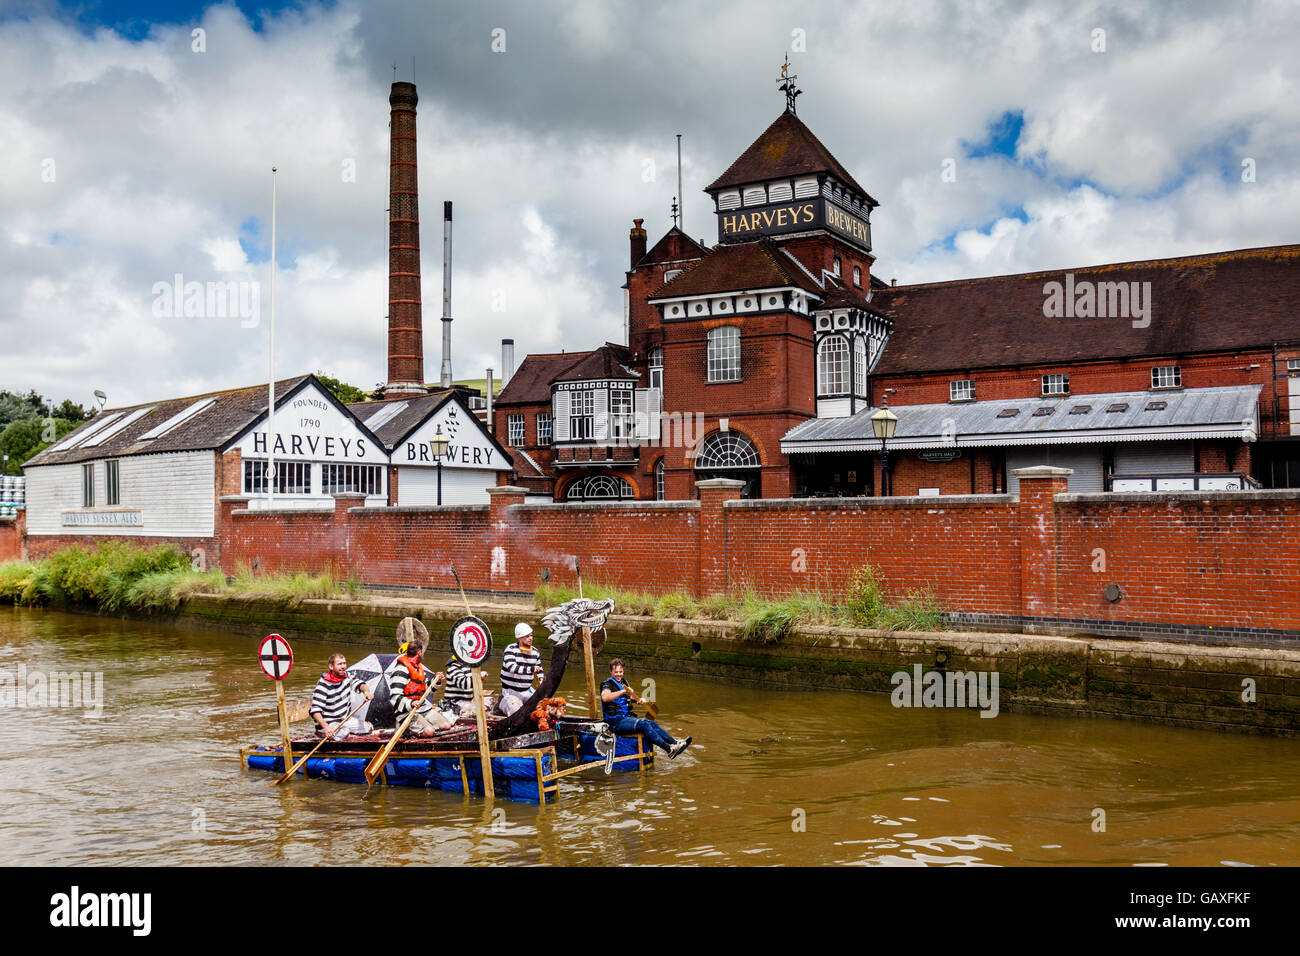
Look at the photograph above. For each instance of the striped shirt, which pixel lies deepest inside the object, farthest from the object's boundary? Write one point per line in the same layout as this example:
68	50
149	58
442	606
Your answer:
334	701
517	669
398	677
460	683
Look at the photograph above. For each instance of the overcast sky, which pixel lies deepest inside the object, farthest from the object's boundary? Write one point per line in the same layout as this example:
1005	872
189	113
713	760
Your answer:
134	149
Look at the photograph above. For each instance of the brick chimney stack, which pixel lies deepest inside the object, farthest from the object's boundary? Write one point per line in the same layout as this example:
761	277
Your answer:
405	334
637	236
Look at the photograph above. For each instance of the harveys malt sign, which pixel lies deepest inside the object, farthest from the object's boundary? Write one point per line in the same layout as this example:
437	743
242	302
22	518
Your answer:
799	216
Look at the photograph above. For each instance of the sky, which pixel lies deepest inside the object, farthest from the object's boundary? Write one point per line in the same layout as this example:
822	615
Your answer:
998	137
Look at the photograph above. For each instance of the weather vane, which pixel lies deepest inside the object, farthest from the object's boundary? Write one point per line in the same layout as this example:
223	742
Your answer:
674	210
786	85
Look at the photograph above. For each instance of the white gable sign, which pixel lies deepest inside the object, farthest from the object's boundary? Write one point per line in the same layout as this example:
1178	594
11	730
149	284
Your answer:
469	445
310	427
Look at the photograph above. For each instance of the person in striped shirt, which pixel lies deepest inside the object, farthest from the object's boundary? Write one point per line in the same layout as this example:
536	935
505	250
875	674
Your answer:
407	682
459	695
331	701
518	665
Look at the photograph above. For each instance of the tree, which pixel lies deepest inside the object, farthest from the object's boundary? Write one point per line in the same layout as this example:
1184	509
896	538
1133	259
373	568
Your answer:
71	411
22	439
347	394
14	407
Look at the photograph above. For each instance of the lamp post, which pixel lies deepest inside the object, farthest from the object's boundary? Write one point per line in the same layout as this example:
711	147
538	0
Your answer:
438	444
883	423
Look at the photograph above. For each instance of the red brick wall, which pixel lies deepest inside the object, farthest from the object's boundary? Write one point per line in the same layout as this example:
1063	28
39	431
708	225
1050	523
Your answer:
1188	561
11	539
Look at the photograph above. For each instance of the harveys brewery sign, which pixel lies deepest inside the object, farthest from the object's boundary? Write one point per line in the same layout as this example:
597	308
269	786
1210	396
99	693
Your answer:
775	219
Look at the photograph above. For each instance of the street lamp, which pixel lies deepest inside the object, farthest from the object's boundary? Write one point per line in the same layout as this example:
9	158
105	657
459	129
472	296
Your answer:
883	423
438	444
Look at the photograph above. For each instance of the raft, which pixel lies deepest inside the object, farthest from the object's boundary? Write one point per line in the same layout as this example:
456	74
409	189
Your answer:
525	767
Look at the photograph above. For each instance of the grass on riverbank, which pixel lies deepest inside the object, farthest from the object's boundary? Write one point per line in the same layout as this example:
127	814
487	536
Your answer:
117	576
766	620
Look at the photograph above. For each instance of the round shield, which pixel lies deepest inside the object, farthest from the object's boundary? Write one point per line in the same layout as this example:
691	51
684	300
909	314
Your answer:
275	657
471	641
409	627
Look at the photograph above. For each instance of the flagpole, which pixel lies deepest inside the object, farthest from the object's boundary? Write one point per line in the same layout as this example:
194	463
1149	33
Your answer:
270	385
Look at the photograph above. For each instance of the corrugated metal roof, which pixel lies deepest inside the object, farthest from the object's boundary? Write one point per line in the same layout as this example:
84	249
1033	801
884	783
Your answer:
1113	416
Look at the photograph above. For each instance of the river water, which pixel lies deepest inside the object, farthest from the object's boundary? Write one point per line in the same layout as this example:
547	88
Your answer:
774	777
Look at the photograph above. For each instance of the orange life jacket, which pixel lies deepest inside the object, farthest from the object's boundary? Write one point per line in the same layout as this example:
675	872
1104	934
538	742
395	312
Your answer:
415	687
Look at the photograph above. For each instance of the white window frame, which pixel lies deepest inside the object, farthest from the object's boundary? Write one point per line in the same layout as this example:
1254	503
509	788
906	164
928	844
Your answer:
582	415
961	390
287	473
659	480
622	423
112	483
857	276
339	479
515	430
1050	381
859	366
723	354
657	368
1166	376
545	428
833	356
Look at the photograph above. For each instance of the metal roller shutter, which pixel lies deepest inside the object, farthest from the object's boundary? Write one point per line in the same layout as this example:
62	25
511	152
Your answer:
1086	462
1154	458
460	486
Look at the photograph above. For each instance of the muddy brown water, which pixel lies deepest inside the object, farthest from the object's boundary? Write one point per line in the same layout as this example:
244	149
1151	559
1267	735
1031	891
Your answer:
775	777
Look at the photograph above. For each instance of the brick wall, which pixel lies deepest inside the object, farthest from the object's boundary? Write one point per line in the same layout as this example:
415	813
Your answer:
1220	567
11	539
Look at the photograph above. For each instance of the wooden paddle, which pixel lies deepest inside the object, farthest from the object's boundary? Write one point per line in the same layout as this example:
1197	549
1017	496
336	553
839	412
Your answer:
376	765
294	769
650	706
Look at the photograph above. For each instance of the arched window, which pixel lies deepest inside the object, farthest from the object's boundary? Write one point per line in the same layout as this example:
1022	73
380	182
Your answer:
860	366
833	366
600	488
659	480
730	455
726	450
724	354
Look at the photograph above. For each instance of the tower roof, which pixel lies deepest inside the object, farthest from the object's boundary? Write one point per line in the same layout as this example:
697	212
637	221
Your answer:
787	148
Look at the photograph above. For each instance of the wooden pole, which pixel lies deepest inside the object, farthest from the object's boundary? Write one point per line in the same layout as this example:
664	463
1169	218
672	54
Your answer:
376	765
284	724
588	659
330	736
484	751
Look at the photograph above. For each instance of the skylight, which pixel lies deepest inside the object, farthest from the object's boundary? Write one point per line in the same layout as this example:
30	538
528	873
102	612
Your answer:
385	414
107	433
176	419
76	440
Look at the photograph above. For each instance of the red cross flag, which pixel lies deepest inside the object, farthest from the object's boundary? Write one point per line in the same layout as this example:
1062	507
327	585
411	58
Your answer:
275	656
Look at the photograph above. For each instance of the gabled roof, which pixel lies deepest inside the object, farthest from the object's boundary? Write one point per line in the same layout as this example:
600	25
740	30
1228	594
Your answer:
226	418
674	246
417	409
608	361
844	296
531	382
738	267
1227	301
786	149
1226	412
391	432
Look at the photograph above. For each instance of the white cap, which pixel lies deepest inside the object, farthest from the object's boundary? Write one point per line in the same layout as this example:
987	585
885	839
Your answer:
522	630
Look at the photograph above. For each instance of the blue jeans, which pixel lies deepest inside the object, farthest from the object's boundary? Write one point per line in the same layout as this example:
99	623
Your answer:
640	725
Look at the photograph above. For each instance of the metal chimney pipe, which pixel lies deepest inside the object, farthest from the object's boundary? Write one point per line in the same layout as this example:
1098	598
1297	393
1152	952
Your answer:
507	360
446	294
489	402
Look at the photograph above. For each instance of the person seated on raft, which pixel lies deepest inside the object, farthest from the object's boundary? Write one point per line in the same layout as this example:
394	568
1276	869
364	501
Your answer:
331	701
616	702
458	698
519	664
407	682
